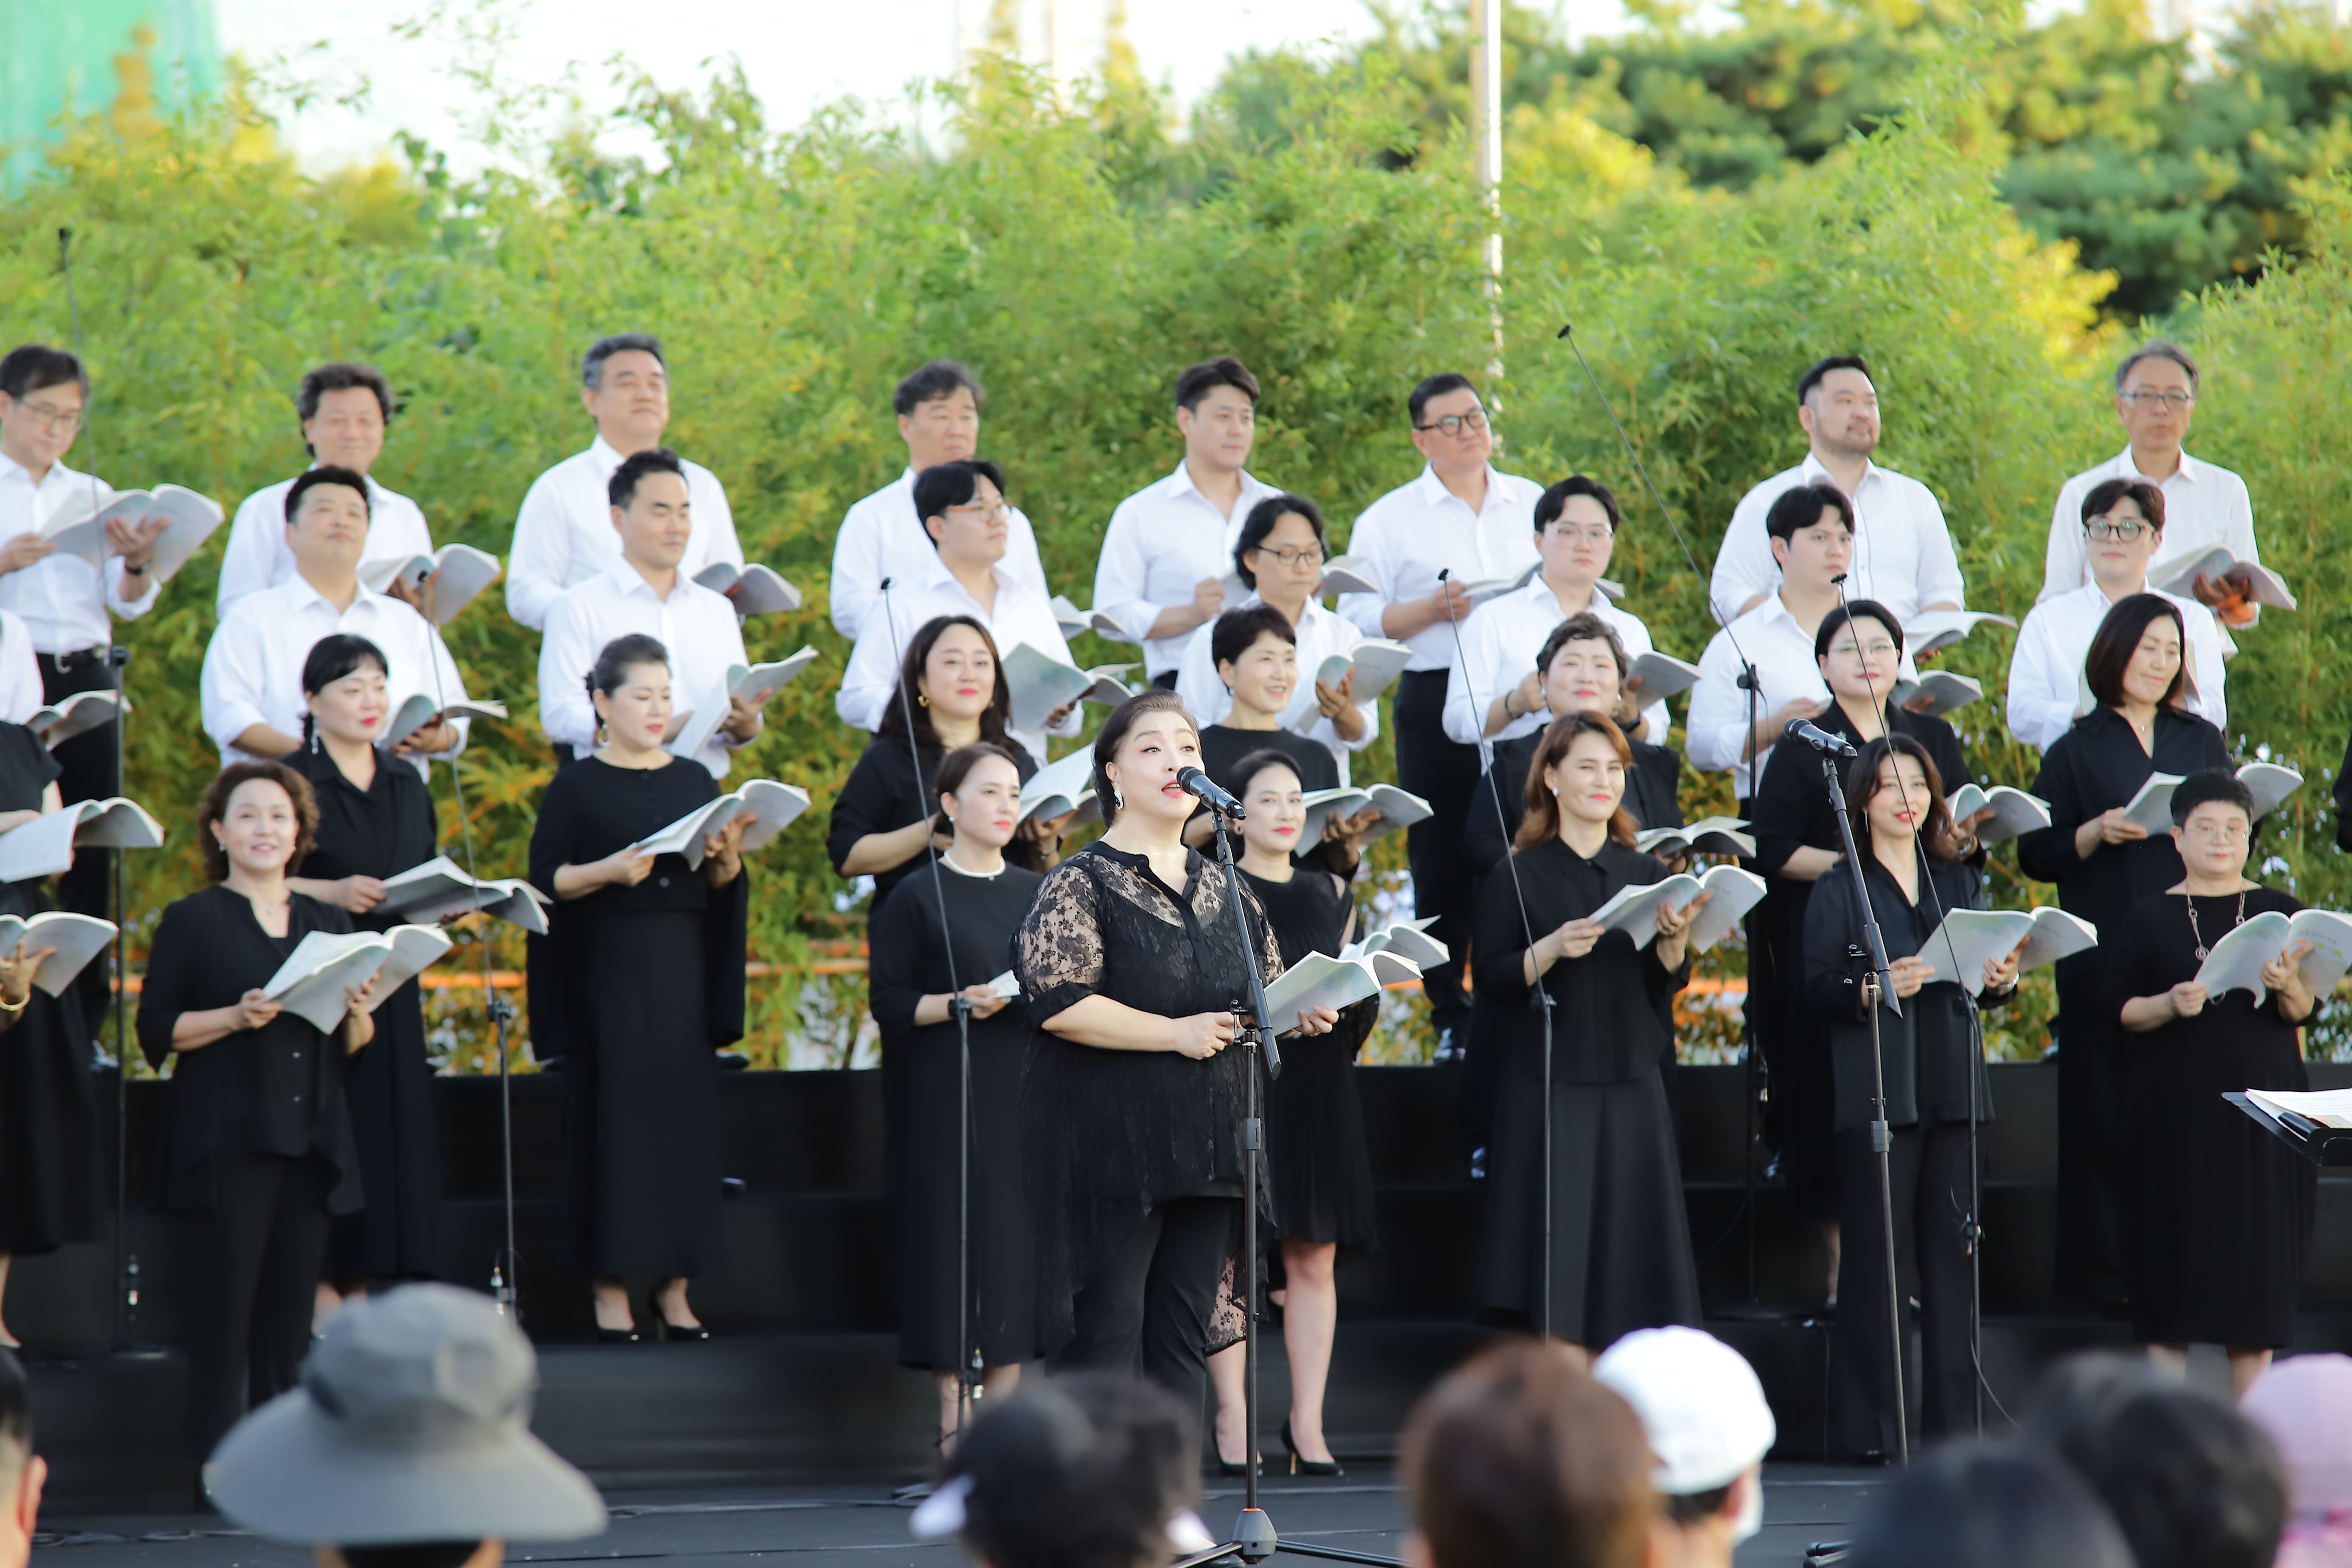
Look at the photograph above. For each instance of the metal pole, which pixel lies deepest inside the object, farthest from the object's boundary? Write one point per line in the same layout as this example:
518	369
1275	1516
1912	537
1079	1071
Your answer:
1486	153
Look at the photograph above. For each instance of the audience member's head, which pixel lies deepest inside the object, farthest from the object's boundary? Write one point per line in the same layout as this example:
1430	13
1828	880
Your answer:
1709	1428
408	1445
1972	1505
2192	1483
1519	1459
22	1471
2306	1406
1091	1470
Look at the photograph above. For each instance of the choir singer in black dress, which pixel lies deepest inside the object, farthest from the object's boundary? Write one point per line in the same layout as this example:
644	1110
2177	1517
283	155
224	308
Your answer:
650	959
375	820
256	1138
2219	1216
1619	1245
2103	866
1934	1083
1133	1099
968	917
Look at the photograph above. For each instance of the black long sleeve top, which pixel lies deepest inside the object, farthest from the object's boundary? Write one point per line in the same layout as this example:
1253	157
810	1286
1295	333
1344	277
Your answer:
1652	796
883	795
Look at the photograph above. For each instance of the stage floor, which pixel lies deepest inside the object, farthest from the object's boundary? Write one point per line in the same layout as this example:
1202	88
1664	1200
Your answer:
852	1526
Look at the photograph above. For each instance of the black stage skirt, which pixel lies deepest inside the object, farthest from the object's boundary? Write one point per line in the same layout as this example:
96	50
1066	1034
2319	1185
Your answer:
51	1188
1315	1137
1002	1264
389	1087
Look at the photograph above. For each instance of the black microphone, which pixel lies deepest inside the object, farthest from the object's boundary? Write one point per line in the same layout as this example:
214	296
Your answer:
1195	783
1819	739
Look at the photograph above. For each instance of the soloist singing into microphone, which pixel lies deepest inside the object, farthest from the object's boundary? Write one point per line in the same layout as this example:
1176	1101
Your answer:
1133	1100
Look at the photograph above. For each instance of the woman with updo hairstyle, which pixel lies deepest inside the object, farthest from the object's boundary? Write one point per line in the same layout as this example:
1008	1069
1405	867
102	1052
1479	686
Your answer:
255	1147
647	962
375	821
1132	1103
1620	1252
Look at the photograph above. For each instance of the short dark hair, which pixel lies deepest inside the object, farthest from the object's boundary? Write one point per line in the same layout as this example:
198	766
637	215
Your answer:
1821	367
2106	492
621	488
623	654
1113	732
1083	1471
957	765
2191	1482
1687	1509
944	485
1976	1505
328	474
1242	775
16	1421
2157	348
1583	627
27	369
2206	786
341	376
411	1555
1554	501
2118	639
939	378
1434	386
1854	610
1800	507
1261	521
213	806
1237	631
337	654
591	364
1195	382
992	719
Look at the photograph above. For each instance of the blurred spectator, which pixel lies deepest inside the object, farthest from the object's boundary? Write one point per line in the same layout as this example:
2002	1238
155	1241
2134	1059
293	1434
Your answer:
22	1471
408	1444
1971	1505
1519	1459
2304	1405
1709	1429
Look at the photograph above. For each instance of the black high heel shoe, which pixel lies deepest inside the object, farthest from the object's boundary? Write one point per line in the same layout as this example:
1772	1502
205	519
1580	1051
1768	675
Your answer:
605	1336
1301	1466
666	1330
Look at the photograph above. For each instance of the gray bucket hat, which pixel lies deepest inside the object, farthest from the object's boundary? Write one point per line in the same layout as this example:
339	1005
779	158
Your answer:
413	1423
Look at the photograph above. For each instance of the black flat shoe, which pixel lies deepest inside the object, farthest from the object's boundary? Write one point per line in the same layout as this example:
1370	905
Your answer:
1299	1466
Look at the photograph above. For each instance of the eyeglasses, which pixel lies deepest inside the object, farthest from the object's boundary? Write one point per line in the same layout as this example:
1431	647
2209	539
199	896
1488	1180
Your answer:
1599	534
1305	555
2151	400
988	513
2220	832
54	417
1455	423
1878	648
2122	529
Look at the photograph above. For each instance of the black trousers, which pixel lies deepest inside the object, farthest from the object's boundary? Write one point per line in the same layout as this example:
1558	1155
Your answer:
255	1261
87	767
1165	680
1929	1171
1147	1308
1445	773
2090	1147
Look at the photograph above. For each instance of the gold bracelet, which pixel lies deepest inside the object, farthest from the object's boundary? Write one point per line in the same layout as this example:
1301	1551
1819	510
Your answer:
20	1007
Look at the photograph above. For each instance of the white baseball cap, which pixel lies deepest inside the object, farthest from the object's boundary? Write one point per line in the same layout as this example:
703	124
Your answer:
1699	1402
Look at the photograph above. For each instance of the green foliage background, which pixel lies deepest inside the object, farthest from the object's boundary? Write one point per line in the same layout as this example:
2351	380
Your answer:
1077	254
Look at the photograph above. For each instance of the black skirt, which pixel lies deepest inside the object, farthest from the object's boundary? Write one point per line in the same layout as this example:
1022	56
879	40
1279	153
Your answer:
50	1185
1001	1264
1315	1137
397	1235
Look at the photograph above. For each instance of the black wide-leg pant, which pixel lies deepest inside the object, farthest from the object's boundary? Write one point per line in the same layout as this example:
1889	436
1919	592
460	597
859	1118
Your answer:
254	1262
1445	773
1148	1309
1929	1171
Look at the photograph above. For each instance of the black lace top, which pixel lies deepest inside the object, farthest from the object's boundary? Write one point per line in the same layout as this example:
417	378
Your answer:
1112	1133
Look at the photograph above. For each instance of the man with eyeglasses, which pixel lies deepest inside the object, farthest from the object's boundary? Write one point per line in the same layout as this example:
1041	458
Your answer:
1464	517
2123	528
1903	554
2205	505
1168	546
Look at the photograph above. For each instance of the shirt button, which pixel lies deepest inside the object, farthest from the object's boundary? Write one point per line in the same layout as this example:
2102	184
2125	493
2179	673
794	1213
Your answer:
663	881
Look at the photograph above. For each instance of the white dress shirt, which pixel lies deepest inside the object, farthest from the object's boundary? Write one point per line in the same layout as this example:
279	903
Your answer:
253	670
2045	668
1161	541
1417	530
1500	640
564	533
1903	554
20	672
258	557
697	626
1782	653
2204	505
62	600
881	537
1321	633
1022	614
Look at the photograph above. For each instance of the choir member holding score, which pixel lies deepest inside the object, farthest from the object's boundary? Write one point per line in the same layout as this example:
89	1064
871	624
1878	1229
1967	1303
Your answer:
257	1146
563	535
1934	1083
1463	517
939	408
1163	568
1279	553
646	593
1134	1095
644	986
374	821
2219	1216
912	989
2103	866
1620	1248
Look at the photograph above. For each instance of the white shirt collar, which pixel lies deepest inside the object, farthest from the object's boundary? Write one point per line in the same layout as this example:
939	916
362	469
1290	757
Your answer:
626	580
941	576
10	466
304	594
1435	493
2128	468
605	455
1539	592
1816	474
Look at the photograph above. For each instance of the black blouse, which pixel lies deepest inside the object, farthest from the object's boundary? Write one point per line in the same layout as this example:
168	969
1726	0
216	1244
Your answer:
278	1089
1223	746
910	961
379	831
26	771
1308	913
1791	809
1652	797
1612	1015
1929	1051
883	795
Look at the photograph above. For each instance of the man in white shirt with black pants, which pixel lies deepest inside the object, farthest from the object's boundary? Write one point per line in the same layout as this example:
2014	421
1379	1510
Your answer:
1171	544
563	535
1461	517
